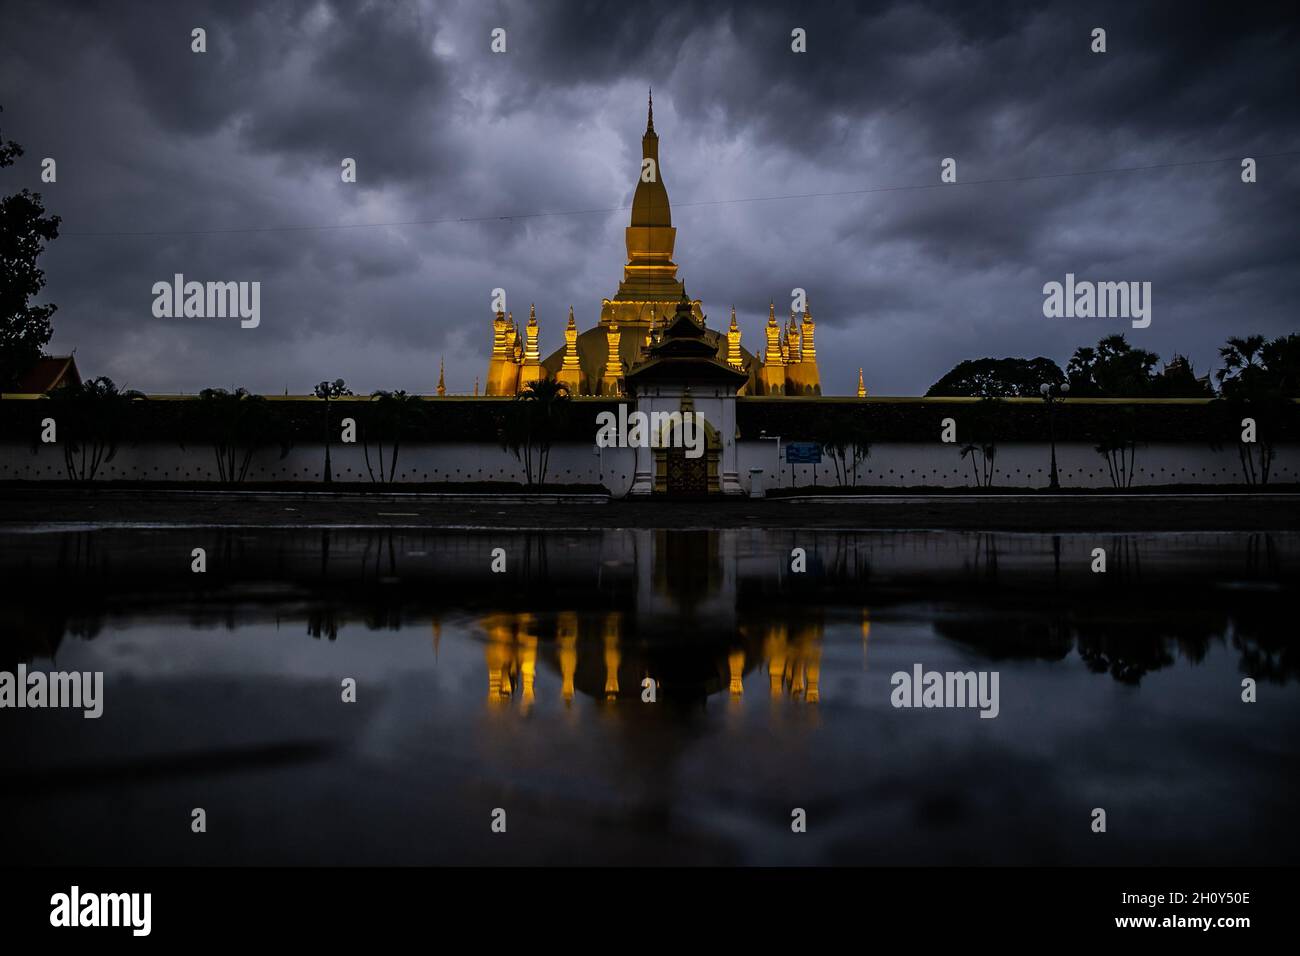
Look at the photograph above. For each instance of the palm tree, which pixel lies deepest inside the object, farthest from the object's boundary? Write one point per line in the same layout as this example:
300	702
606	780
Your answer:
392	414
1259	380
326	391
93	417
235	424
539	410
986	452
1241	358
848	443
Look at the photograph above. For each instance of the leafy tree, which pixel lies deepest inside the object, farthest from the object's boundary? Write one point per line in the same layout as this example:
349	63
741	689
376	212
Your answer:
25	329
1281	358
537	414
236	424
997	378
1259	380
92	419
1114	369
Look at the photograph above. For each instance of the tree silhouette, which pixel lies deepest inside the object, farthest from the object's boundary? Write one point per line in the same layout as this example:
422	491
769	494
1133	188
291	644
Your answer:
390	414
1259	380
92	419
1242	370
25	329
235	424
326	391
997	378
1114	369
533	424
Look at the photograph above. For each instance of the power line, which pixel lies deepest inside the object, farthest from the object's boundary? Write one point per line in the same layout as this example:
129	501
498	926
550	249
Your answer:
678	205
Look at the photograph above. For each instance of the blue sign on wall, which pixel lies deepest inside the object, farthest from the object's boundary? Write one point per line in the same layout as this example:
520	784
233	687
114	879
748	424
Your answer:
803	453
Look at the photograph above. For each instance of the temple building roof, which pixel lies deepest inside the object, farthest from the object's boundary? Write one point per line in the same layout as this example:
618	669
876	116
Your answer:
48	373
685	353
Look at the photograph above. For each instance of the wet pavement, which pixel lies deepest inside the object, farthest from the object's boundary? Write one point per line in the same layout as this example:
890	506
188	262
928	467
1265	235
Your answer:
525	691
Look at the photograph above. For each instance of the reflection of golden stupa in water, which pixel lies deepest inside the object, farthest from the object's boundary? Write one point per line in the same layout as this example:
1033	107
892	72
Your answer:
593	655
680	630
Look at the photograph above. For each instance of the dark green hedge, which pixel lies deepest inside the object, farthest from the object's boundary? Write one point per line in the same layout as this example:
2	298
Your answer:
294	421
1213	422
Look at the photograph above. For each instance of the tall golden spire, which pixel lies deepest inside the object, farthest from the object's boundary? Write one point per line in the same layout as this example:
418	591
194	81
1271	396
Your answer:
612	380
442	384
531	353
772	374
531	370
499	335
862	388
570	369
809	328
649	275
734	358
775	353
650	201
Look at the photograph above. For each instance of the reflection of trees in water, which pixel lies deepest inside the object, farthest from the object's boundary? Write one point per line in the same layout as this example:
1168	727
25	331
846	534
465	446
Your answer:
1008	597
1123	560
1125	641
1261	555
847	563
985	558
323	622
1009	639
44	604
1127	650
1263	631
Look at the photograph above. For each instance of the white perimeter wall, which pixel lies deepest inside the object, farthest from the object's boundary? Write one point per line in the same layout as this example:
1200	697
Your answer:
889	465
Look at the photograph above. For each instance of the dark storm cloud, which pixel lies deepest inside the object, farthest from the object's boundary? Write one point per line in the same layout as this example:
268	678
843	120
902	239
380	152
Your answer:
153	138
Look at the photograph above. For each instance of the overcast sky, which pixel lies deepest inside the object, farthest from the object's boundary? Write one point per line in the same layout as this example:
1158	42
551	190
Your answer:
200	153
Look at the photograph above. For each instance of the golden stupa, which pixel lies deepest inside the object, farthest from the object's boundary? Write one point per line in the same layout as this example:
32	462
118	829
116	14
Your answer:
595	362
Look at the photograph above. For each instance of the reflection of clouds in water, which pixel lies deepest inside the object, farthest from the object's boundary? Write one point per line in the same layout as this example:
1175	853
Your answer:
695	611
772	688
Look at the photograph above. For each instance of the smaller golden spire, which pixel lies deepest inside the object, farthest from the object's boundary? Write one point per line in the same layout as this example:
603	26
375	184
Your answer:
530	336
499	335
570	374
734	358
442	384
